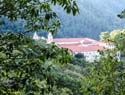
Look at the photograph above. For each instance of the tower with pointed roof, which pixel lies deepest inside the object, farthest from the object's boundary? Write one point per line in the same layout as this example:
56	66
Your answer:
35	36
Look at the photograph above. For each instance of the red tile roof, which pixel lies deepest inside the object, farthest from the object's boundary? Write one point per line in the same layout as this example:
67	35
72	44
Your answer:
79	44
72	40
80	48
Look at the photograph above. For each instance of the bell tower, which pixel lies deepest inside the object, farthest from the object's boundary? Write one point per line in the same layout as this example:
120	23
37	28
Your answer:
35	36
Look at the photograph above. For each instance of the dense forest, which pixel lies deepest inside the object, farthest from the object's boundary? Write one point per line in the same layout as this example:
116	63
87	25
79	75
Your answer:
34	67
95	17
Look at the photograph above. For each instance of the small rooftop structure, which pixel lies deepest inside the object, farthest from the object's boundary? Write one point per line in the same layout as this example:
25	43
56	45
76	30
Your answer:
37	37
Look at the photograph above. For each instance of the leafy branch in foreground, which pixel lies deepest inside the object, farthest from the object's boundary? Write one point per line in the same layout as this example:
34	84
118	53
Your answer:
38	14
106	77
27	68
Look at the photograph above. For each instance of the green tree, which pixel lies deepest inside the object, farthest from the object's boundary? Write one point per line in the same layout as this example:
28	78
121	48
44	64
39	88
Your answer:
104	36
119	41
79	59
118	37
105	77
27	68
114	33
38	14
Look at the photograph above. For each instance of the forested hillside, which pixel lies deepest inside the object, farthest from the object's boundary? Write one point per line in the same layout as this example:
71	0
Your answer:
36	67
95	16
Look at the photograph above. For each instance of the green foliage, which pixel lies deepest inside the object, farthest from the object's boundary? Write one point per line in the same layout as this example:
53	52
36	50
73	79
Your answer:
104	36
89	23
120	41
71	78
79	60
54	53
105	77
27	68
117	37
38	14
114	33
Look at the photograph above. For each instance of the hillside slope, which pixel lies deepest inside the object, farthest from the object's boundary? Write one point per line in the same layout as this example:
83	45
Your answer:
95	16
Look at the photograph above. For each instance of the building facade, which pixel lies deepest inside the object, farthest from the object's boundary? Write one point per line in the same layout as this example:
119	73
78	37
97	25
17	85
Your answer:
88	47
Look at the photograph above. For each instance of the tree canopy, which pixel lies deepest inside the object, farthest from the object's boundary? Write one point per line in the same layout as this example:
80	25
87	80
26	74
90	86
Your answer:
38	14
27	68
105	77
104	36
117	37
